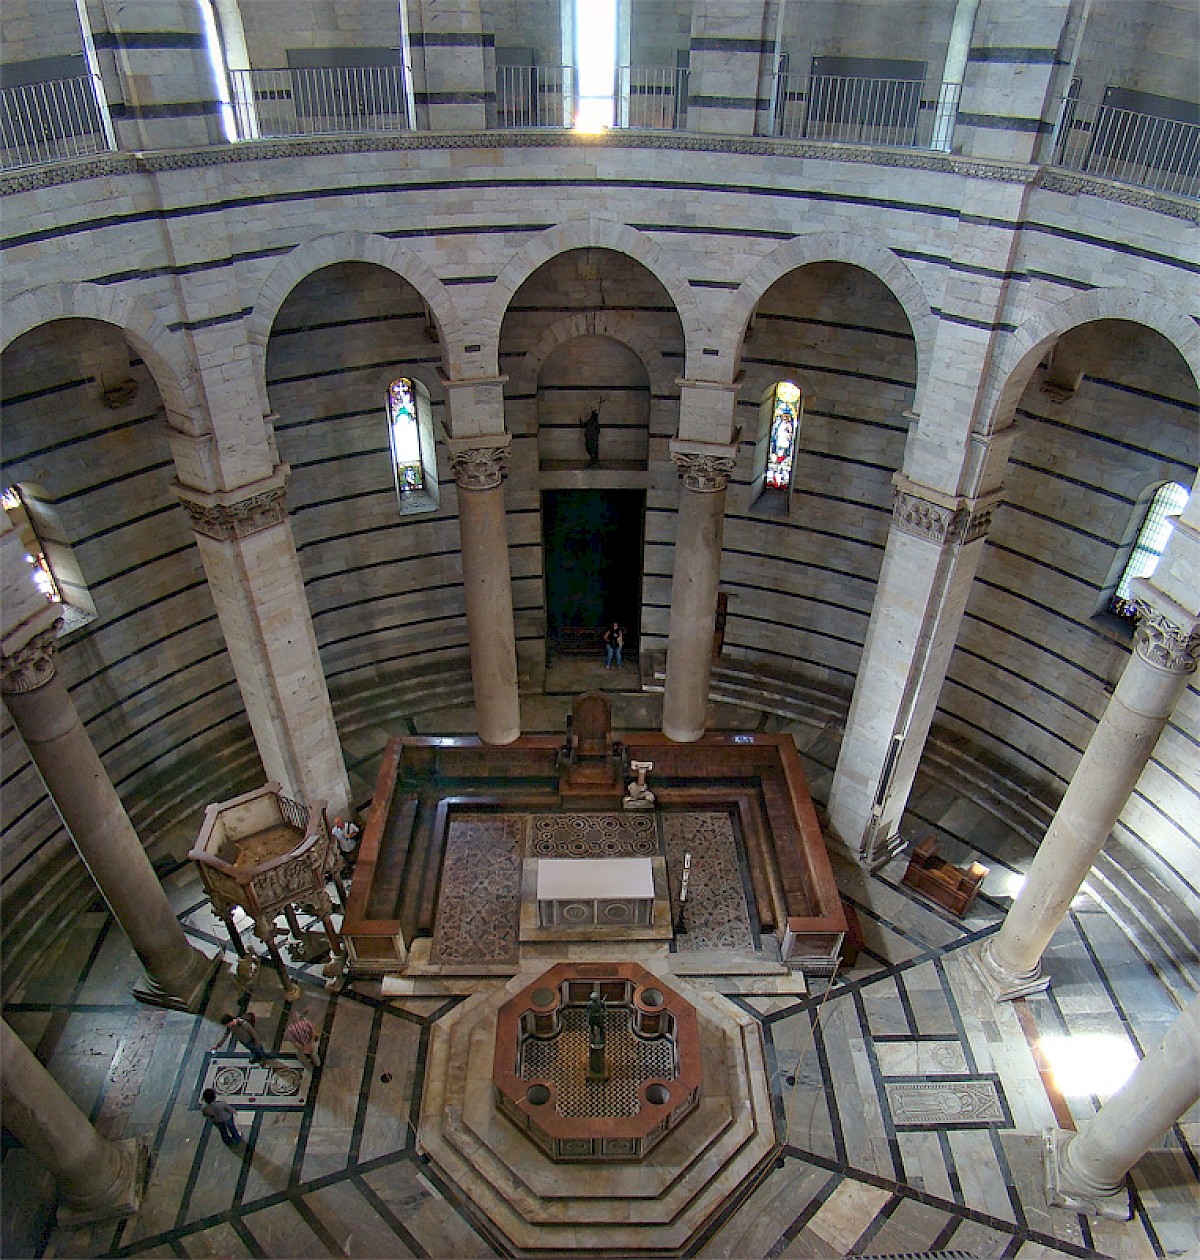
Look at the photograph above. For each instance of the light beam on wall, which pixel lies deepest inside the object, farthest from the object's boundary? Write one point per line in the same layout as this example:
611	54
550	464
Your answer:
596	59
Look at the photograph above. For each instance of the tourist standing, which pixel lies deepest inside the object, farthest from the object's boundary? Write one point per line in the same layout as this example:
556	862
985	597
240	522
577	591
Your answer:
242	1031
304	1037
220	1114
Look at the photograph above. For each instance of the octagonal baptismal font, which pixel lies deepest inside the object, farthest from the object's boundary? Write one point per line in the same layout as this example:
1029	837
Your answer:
597	1062
556	1148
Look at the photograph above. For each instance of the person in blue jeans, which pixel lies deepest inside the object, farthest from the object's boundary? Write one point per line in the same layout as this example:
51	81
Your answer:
220	1113
614	645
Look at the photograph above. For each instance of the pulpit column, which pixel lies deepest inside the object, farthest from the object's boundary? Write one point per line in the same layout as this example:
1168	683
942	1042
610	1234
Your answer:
98	1180
704	472
478	467
1166	648
50	728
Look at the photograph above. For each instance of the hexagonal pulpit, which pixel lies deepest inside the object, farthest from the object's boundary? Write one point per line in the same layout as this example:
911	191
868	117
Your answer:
597	1061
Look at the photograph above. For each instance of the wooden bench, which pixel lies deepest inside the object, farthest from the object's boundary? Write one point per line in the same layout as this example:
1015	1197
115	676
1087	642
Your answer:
949	886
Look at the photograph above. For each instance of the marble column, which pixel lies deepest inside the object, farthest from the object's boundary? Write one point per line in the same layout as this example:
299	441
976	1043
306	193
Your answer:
98	1180
1165	651
176	974
704	472
478	468
1085	1171
249	556
933	550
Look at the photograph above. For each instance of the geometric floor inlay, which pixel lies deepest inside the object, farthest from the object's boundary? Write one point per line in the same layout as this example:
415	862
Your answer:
629	1059
479	902
271	1086
593	836
948	1102
716	915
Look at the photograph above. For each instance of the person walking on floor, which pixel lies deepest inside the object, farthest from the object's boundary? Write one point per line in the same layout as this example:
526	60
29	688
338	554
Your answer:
220	1113
242	1030
303	1036
614	645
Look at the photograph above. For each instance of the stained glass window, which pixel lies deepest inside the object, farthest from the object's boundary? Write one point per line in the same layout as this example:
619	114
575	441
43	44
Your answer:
1150	543
40	572
404	432
785	423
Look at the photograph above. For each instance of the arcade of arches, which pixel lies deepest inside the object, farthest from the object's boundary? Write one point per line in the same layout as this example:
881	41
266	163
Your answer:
995	377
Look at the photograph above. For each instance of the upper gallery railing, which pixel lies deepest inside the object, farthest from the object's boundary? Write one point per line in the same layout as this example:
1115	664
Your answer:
319	101
47	122
535	96
865	111
645	98
1158	153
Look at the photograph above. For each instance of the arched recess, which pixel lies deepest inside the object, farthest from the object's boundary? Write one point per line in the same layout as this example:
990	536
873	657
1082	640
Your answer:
162	352
1027	345
855	250
615	324
591	233
325	251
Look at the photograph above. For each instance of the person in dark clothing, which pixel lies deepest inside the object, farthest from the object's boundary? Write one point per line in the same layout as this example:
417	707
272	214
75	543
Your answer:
243	1031
220	1113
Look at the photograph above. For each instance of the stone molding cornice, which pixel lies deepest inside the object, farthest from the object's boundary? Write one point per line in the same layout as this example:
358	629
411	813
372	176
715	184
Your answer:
481	466
233	514
31	665
1071	183
1164	643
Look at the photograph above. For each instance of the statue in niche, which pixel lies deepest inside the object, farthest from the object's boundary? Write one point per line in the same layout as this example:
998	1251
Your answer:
591	436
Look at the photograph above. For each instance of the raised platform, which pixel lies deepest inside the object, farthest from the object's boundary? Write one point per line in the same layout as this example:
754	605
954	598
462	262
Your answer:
532	1206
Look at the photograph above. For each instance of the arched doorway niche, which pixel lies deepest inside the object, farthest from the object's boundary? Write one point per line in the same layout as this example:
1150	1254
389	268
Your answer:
799	565
380	563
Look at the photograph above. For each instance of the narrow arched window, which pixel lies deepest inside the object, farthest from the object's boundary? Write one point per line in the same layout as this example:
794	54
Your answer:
781	442
404	434
53	568
1151	541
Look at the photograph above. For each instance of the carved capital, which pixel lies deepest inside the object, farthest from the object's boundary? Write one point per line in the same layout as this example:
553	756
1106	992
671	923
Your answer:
1161	642
32	664
935	522
239	519
479	467
706	474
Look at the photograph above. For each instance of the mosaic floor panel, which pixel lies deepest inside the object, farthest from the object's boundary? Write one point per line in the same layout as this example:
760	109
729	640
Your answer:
479	903
593	836
716	916
278	1085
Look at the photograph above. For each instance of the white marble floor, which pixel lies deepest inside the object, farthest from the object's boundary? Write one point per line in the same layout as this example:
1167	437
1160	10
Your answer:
910	1106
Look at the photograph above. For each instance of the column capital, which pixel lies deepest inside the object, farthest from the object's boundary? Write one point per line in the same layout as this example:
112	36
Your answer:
704	466
1167	636
479	463
230	514
30	663
940	518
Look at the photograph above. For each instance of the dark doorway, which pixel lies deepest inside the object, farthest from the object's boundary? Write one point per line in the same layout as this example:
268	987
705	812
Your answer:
593	556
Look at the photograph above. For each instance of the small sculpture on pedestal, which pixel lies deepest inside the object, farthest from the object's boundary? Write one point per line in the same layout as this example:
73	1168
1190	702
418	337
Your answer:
638	795
597	1069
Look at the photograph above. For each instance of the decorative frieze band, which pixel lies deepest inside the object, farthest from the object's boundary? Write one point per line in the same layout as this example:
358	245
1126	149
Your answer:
479	467
706	474
935	522
241	518
1160	642
32	665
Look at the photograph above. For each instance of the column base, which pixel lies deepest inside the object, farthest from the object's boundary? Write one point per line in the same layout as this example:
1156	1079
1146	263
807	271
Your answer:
123	1198
874	854
1063	1191
187	993
1003	985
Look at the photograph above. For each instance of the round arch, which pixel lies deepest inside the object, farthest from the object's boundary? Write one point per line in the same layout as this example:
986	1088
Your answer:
614	324
841	247
162	352
590	233
341	247
1029	342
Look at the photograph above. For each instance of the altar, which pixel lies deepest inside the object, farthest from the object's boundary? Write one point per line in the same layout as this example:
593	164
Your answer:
597	892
